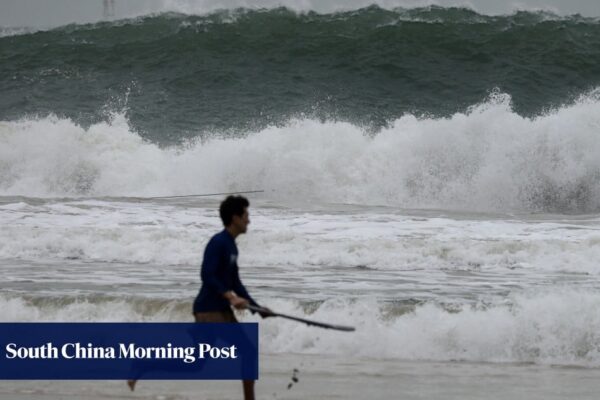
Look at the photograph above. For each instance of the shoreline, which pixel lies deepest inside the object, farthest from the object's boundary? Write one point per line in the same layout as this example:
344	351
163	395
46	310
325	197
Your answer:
329	378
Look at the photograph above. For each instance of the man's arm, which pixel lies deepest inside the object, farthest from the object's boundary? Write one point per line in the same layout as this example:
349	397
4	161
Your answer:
210	266
240	289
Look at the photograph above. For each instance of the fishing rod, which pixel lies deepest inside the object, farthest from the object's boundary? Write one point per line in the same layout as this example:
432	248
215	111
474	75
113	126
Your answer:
141	198
202	195
306	321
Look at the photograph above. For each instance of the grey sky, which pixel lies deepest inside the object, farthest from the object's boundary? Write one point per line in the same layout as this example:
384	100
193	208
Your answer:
49	13
44	13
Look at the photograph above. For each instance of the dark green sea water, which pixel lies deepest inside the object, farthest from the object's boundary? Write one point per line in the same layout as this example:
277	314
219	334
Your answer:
179	76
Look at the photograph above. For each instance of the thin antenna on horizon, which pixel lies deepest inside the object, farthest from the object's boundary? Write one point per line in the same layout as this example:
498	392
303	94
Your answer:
109	8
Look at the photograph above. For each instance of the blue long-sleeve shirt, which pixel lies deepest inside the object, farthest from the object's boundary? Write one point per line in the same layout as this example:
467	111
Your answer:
219	274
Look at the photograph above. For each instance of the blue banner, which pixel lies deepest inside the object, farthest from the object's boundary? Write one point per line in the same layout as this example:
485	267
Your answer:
128	351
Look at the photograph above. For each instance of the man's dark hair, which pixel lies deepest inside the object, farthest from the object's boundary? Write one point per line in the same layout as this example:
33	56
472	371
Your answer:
232	205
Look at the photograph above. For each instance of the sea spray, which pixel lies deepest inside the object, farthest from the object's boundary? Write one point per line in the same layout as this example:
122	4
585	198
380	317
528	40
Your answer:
558	327
488	158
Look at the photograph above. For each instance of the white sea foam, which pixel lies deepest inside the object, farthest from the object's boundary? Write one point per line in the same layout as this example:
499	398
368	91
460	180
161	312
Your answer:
130	11
14	31
130	232
482	6
489	158
559	327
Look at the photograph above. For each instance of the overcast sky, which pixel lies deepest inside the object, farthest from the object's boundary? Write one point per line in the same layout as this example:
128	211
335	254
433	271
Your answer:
49	13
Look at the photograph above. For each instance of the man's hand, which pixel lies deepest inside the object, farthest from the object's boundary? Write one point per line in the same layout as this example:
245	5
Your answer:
239	302
235	300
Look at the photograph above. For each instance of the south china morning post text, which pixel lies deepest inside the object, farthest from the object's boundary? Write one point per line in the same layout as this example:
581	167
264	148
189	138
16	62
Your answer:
128	351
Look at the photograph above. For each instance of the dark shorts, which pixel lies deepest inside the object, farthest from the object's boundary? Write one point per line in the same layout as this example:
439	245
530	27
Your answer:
215	316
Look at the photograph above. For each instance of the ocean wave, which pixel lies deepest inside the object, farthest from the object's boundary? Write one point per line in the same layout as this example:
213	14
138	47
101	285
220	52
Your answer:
131	232
239	71
195	15
228	10
558	327
488	159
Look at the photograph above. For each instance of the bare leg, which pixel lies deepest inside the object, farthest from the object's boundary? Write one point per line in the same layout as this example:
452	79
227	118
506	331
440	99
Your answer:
131	383
248	390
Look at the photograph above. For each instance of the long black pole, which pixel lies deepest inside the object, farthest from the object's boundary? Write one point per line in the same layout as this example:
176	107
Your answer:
306	321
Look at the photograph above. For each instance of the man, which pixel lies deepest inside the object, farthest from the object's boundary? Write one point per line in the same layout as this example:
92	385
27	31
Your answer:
221	285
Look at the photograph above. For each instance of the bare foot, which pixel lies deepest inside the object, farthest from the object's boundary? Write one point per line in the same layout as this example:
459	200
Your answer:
131	383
